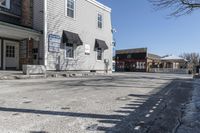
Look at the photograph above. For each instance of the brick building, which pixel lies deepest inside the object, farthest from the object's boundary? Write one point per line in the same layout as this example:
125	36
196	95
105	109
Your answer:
19	41
135	60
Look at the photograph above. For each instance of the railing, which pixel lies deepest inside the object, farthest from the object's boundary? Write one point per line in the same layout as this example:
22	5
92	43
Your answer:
169	70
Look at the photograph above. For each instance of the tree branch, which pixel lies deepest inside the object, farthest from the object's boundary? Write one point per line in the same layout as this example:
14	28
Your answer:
180	7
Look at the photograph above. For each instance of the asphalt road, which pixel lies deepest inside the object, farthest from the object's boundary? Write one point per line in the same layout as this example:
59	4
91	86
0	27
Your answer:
121	103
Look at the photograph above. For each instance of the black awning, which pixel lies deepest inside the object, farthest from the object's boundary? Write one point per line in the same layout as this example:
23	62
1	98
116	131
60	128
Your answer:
71	38
100	44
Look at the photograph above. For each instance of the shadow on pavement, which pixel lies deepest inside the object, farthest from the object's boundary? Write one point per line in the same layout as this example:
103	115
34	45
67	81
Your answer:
133	115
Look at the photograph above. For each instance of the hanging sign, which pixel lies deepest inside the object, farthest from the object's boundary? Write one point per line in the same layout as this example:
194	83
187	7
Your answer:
54	43
87	49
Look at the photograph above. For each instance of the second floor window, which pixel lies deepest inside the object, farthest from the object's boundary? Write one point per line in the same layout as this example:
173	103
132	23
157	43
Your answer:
5	3
100	21
70	8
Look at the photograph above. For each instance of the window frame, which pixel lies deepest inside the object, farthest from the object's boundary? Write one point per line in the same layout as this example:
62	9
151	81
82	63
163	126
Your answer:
66	9
73	48
7	4
102	54
10	51
100	21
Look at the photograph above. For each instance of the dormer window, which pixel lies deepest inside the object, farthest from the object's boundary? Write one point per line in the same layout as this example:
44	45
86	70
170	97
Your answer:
5	3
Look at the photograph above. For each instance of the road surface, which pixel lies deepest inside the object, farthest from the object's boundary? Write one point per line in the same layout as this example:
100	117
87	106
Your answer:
121	103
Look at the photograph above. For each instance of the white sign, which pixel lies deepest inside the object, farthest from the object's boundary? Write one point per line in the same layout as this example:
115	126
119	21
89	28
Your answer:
54	43
87	49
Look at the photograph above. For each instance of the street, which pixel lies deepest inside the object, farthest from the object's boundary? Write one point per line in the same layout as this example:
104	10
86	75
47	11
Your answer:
119	103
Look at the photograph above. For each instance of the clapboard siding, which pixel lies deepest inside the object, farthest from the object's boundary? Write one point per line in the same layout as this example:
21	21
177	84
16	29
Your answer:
85	24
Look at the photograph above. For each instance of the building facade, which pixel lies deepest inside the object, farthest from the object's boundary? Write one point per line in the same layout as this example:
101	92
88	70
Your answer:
140	60
78	36
132	60
73	35
18	39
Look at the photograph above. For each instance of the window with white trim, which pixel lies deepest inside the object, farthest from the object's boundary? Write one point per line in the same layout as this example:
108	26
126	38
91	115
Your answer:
5	3
100	21
10	51
99	53
69	50
70	8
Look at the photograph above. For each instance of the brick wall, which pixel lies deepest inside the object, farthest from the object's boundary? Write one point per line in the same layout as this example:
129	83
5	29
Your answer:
27	13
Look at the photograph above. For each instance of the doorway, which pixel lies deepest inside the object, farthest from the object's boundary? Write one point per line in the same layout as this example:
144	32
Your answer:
11	55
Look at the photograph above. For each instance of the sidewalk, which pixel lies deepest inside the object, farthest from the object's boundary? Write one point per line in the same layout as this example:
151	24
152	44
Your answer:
13	75
191	119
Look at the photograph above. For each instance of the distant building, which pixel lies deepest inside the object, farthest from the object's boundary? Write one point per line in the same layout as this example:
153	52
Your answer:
174	62
135	60
171	64
140	60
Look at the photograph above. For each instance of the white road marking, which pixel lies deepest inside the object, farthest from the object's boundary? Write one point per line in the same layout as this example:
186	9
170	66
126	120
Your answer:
148	115
151	111
137	128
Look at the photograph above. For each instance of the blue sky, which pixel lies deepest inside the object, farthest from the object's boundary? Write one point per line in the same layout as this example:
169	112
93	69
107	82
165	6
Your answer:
139	25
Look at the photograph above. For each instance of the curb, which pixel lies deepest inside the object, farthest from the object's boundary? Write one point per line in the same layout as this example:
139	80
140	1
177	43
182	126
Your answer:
48	76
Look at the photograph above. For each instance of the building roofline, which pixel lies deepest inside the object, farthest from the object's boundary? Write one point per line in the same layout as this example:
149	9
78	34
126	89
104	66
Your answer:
20	27
100	5
135	50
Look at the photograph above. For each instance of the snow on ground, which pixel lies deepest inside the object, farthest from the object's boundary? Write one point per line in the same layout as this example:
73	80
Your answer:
191	119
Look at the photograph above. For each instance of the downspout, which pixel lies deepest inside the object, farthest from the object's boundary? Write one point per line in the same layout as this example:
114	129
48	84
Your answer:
45	33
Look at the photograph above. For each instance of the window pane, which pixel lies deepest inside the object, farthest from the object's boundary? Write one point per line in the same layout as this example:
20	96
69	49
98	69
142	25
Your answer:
100	21
99	24
70	13
70	8
99	54
10	51
69	51
70	4
3	2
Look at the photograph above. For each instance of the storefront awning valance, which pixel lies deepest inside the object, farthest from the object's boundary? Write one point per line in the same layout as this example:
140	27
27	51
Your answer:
71	38
100	44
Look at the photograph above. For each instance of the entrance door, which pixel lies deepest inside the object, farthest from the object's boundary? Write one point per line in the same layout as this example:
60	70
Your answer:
11	55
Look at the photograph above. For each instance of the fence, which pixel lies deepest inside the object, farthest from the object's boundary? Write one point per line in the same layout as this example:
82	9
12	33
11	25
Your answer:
169	70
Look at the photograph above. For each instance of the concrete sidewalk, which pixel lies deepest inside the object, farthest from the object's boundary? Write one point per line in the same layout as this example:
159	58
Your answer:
13	75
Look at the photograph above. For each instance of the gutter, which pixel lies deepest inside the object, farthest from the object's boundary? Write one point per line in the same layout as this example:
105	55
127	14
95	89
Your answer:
45	33
9	26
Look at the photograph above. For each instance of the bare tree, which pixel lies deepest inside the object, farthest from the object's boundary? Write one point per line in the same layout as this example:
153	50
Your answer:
193	60
179	7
